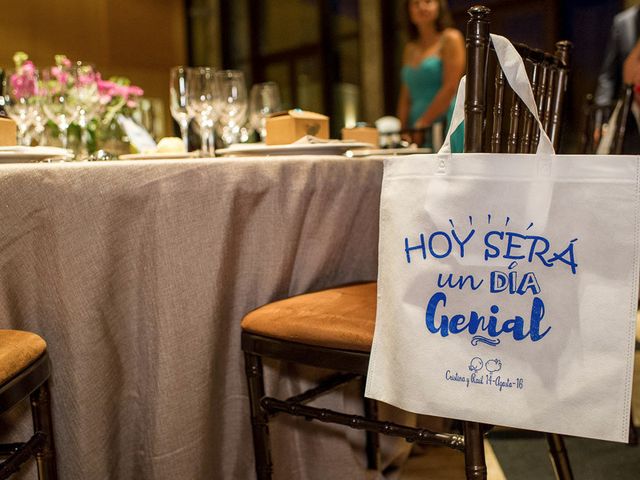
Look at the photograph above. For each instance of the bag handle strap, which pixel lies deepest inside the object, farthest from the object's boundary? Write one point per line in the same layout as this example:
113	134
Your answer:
516	75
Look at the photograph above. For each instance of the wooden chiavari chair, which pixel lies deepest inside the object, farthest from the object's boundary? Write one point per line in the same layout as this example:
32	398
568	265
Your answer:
334	328
598	119
24	372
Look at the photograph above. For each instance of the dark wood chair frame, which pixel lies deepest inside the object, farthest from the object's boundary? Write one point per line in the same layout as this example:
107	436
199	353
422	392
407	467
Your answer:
31	382
550	89
595	116
496	120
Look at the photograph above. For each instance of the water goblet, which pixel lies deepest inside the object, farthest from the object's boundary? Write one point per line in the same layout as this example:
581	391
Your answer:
264	100
19	91
202	103
85	99
179	102
39	123
56	101
233	103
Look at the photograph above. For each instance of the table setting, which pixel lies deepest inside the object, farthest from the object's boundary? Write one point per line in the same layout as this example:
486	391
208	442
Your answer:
124	253
68	112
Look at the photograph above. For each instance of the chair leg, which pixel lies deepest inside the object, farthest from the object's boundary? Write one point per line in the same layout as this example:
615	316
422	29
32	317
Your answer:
41	413
559	457
259	418
475	465
633	435
373	440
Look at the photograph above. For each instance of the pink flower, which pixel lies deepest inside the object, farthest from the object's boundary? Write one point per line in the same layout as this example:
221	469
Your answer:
108	90
135	91
86	79
60	74
28	68
24	82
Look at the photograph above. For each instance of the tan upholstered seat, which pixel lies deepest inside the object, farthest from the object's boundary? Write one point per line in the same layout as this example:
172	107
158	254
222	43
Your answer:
638	327
17	351
336	318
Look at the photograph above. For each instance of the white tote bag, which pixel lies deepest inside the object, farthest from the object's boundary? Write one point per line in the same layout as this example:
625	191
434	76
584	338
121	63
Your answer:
507	284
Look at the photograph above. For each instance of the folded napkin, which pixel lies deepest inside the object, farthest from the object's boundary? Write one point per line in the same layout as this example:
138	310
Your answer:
310	139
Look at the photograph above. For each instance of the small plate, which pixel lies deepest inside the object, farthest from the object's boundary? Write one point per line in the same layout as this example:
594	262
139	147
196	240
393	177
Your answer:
20	154
327	148
157	156
365	152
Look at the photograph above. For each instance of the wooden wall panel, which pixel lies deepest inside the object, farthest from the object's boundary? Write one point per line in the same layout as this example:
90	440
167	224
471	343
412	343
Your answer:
139	39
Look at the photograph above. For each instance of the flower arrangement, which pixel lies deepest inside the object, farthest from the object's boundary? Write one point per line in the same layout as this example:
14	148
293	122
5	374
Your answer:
24	81
72	97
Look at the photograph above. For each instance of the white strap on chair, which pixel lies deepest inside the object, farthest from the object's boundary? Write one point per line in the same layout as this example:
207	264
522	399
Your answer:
516	75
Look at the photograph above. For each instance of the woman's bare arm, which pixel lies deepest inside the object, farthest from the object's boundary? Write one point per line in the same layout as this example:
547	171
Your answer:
404	99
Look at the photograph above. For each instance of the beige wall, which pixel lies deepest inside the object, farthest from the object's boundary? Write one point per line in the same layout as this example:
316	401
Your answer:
139	39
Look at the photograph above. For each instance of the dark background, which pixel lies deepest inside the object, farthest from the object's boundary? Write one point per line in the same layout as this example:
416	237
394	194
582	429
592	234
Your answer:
312	47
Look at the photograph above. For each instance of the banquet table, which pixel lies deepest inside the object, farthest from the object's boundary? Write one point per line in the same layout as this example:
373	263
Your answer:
137	274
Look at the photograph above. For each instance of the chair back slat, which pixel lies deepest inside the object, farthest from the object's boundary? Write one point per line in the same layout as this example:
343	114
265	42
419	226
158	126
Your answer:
477	45
547	98
621	121
508	125
514	123
563	49
529	123
498	105
540	96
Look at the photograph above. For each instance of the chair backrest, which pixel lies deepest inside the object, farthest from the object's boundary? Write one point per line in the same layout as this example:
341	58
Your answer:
496	120
594	118
625	101
598	118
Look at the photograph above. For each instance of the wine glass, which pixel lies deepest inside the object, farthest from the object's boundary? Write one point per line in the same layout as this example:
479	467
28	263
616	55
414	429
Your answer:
179	102
56	101
202	102
19	90
233	103
264	100
85	98
39	123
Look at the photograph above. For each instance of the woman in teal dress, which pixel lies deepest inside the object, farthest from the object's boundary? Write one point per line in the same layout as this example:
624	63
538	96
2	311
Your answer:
433	63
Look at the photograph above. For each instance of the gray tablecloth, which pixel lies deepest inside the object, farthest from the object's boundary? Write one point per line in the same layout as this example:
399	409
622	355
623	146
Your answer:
137	274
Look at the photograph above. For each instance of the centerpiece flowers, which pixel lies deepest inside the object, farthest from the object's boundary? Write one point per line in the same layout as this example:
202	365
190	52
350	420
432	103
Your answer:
74	102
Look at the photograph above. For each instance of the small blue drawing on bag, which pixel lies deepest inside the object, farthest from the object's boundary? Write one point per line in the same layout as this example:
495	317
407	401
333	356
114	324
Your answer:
493	365
476	364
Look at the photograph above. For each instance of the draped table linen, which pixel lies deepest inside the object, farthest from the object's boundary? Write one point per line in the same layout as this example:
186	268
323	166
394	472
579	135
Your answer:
137	274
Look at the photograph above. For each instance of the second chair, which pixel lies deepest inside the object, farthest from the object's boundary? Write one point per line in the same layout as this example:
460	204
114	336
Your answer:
334	328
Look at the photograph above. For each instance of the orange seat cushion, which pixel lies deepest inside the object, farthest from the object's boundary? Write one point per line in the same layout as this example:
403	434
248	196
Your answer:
18	350
337	318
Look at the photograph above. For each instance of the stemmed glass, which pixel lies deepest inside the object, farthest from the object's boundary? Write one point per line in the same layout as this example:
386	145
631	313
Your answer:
39	123
19	90
56	101
264	100
202	102
233	103
85	98
179	102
